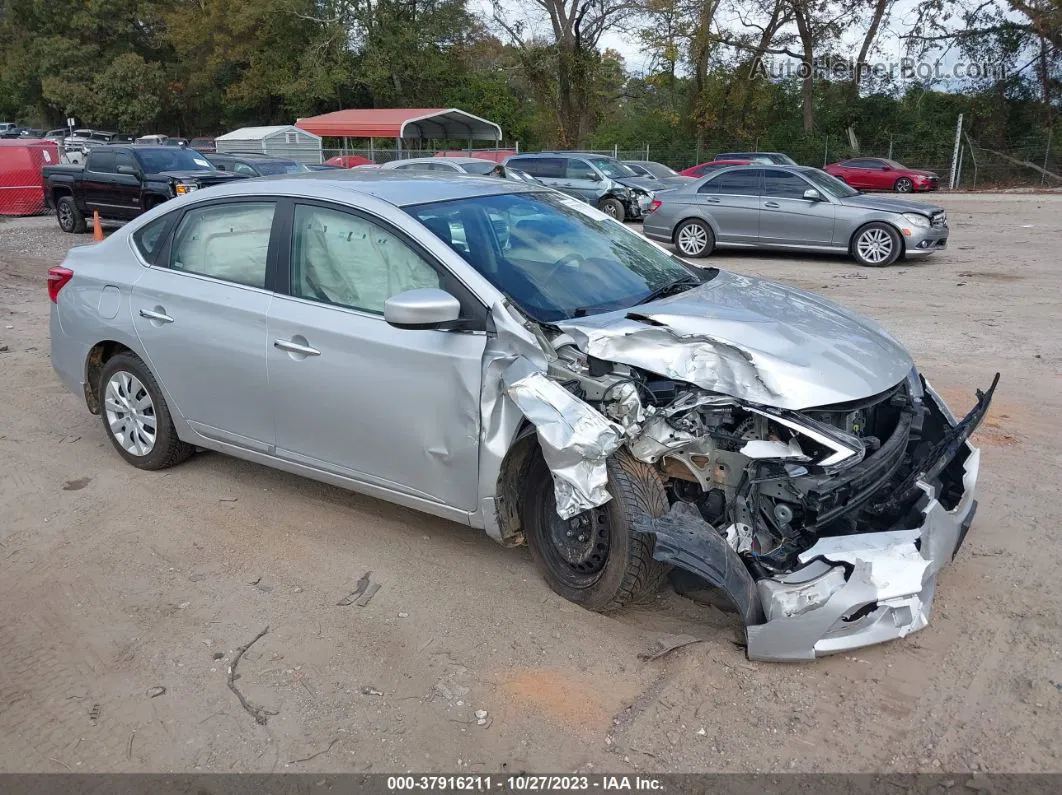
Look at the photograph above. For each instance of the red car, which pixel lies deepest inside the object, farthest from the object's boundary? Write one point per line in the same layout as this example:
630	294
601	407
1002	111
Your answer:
878	173
349	161
704	168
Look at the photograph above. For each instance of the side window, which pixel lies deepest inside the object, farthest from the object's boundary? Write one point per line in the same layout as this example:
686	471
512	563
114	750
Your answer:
226	241
243	168
579	169
101	162
125	159
149	238
743	182
783	185
861	163
341	258
541	167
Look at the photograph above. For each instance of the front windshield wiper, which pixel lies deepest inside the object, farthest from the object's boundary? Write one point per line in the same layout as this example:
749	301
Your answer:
671	288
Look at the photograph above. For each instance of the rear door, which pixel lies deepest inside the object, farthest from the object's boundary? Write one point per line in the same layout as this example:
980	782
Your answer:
201	317
858	174
551	170
787	218
732	200
97	182
394	408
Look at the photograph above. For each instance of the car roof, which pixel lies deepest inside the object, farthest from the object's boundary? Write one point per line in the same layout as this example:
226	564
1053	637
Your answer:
439	159
400	188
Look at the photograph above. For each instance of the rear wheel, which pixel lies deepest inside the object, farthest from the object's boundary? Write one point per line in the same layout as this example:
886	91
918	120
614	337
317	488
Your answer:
596	559
904	185
69	217
694	238
135	415
612	207
876	245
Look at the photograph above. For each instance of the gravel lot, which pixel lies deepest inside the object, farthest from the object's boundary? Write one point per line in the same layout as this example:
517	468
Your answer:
127	595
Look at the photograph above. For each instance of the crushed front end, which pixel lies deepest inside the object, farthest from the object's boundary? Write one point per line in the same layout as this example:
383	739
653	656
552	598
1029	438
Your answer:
825	527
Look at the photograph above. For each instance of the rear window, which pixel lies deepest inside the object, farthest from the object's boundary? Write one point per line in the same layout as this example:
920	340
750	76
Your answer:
150	237
541	167
481	167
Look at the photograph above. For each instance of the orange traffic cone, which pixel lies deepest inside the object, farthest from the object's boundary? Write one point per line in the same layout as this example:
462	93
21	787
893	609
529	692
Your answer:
97	230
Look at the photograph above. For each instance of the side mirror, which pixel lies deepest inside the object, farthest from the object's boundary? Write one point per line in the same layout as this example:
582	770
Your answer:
129	171
886	168
812	195
426	308
594	177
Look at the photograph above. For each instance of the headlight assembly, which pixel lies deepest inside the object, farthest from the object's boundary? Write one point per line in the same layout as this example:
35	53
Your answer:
914	219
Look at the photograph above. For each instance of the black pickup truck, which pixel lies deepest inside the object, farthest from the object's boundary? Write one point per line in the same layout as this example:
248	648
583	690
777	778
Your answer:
121	182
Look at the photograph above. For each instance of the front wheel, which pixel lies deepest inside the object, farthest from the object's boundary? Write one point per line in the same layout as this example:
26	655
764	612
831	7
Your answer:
694	238
596	559
904	185
613	207
69	217
876	245
136	417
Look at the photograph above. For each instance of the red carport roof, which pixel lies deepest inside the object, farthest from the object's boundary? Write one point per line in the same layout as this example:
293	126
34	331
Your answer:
439	123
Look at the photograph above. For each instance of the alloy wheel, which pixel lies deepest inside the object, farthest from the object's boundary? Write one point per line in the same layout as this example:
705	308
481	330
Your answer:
874	245
904	185
130	413
66	217
692	239
610	209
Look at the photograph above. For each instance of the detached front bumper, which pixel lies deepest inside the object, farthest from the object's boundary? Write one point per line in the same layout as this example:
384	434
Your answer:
888	592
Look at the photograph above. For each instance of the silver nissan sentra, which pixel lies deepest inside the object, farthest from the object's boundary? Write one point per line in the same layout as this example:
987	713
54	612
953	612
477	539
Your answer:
793	208
512	359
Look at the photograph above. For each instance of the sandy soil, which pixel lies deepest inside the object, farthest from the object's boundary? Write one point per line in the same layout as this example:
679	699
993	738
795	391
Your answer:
126	595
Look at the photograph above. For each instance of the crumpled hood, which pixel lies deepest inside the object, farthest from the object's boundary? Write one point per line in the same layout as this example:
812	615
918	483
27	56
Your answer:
644	183
890	205
753	340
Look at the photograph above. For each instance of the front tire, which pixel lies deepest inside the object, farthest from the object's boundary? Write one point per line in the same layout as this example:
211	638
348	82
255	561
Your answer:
904	185
876	245
694	238
613	208
70	218
136	417
596	559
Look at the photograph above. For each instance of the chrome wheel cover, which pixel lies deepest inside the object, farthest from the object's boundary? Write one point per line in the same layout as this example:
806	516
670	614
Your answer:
130	413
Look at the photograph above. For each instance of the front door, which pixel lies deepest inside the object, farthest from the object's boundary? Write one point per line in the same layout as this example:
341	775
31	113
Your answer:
581	181
125	193
395	408
787	218
96	182
201	318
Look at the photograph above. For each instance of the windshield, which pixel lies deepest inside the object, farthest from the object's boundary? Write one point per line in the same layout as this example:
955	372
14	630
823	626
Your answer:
893	164
829	185
612	168
156	161
554	256
271	168
784	159
479	167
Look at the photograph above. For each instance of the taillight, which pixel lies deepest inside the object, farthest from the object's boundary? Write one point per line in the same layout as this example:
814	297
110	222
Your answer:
655	205
57	279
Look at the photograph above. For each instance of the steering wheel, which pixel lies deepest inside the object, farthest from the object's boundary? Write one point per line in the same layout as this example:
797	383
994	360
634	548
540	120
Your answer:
573	258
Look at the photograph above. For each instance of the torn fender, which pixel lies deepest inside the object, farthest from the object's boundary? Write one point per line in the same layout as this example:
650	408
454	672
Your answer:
684	539
575	439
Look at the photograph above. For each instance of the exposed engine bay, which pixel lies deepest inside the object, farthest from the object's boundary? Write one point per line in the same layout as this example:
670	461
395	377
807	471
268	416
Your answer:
787	511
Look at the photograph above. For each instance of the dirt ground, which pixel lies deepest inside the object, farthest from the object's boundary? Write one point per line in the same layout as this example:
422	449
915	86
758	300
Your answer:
125	595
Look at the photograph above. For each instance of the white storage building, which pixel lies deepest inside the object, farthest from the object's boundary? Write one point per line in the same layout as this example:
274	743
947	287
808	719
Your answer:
282	140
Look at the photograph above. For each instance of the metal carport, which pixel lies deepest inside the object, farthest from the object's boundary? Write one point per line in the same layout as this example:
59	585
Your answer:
419	124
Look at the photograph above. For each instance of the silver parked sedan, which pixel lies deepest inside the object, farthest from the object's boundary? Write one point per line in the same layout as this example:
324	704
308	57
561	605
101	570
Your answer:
793	207
509	358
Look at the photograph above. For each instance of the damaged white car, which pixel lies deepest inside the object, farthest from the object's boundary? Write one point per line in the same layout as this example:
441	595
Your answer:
512	359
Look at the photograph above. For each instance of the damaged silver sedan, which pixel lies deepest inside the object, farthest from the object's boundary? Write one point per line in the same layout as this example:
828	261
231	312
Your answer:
512	359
